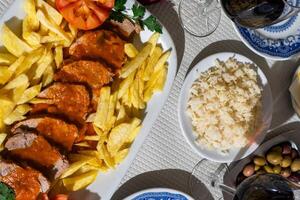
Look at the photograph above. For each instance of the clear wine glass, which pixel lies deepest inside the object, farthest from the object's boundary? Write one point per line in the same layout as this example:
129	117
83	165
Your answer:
202	17
256	187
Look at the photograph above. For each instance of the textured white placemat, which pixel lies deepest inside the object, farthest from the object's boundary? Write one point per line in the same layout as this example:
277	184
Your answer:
165	160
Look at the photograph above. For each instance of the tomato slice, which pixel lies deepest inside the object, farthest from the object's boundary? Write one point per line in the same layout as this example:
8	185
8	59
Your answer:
85	14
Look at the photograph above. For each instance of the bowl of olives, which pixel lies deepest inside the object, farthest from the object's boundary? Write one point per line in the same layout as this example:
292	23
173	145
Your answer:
282	159
278	155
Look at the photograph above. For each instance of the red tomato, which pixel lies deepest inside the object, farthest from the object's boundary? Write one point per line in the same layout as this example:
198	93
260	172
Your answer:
85	14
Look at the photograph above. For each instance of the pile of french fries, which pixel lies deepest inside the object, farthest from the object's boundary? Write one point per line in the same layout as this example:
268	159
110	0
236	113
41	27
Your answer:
117	121
30	60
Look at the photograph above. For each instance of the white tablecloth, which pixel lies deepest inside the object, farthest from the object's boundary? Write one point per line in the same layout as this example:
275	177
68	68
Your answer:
165	159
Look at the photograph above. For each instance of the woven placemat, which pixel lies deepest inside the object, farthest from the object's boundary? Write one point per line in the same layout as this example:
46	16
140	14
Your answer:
165	159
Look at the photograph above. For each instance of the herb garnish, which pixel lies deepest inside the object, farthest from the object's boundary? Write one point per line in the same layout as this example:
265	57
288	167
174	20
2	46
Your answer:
6	193
119	13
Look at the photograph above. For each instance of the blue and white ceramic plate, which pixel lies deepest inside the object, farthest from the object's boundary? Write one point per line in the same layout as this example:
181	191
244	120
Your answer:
277	42
159	194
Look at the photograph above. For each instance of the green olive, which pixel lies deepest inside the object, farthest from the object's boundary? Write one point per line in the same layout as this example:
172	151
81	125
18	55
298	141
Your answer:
260	172
295	165
268	169
256	168
260	161
274	157
285	172
248	170
286	161
277	149
277	169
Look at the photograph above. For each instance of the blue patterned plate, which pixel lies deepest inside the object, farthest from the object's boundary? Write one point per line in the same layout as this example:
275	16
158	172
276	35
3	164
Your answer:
159	194
278	42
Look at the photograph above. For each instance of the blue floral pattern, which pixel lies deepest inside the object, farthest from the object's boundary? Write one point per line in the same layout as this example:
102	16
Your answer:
283	48
281	27
160	196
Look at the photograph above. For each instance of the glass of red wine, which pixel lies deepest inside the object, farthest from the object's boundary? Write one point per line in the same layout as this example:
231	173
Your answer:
202	17
256	187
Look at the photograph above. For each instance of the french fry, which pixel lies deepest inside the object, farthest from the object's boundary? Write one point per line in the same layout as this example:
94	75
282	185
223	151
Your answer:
117	138
17	114
82	144
17	82
58	56
29	94
12	43
80	181
73	168
18	92
121	155
2	138
135	63
133	134
5	74
48	75
51	12
130	50
109	161
52	26
161	80
103	108
162	60
153	40
7	106
43	63
110	120
7	59
151	62
14	66
125	84
30	10
92	138
79	157
32	38
29	60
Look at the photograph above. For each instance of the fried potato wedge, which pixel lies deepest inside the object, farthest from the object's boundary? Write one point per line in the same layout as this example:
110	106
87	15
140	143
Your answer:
121	155
74	167
135	63
58	56
48	75
17	82
18	92
17	114
81	181
153	40
130	50
151	62
29	94
52	26
103	108
12	43
7	59
5	74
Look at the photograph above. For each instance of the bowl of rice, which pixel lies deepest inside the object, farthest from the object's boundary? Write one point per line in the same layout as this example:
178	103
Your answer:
225	107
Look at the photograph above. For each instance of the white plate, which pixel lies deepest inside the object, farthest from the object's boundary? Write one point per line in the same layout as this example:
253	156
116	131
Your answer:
277	42
107	183
159	194
234	169
185	121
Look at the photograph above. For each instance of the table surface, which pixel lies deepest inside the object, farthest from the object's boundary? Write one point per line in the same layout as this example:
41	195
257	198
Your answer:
165	159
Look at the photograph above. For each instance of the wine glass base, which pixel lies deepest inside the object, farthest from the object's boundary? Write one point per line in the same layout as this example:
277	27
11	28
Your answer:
207	174
200	17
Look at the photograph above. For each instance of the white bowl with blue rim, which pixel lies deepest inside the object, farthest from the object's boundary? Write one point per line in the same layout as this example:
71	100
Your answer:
280	41
159	194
